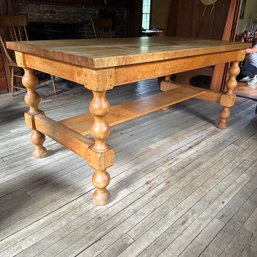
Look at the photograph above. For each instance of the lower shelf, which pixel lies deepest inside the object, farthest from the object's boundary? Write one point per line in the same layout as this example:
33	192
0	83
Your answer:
134	109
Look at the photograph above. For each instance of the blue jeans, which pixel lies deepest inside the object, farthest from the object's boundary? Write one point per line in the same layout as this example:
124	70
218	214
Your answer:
247	70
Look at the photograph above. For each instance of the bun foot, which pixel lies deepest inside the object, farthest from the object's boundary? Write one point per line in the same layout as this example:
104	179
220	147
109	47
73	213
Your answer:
101	197
39	152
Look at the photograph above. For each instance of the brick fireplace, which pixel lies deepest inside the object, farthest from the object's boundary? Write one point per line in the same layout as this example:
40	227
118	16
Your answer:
65	20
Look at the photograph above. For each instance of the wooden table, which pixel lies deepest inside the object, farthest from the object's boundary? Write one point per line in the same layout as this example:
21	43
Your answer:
101	65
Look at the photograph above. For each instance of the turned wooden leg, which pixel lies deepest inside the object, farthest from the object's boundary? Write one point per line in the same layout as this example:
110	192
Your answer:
100	130
101	179
224	116
228	99
32	99
38	139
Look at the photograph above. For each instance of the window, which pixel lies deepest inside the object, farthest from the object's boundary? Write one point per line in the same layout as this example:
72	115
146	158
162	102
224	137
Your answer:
146	14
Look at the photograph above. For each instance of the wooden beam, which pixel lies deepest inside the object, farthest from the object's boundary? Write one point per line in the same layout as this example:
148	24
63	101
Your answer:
90	78
134	109
124	74
65	136
206	95
219	76
72	140
137	72
210	96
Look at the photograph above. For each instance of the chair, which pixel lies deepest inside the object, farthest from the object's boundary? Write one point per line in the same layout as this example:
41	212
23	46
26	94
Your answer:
13	28
102	28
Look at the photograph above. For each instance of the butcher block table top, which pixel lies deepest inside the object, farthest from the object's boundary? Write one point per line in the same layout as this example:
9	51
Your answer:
103	53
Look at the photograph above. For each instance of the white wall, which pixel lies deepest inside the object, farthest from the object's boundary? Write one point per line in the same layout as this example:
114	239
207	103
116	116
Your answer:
249	15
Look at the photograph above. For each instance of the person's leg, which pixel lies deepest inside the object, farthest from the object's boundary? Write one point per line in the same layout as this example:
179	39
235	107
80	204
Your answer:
247	70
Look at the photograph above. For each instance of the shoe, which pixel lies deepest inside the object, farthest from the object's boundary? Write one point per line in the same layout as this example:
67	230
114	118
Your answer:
253	81
245	79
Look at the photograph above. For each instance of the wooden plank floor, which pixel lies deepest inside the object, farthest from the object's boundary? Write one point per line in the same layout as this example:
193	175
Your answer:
180	186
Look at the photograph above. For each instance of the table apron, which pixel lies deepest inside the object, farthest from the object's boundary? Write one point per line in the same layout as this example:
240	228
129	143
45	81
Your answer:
138	72
106	79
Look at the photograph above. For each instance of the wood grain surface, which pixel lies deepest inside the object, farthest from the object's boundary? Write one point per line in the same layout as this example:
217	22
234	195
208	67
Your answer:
104	53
